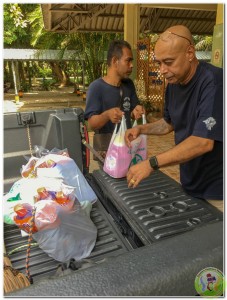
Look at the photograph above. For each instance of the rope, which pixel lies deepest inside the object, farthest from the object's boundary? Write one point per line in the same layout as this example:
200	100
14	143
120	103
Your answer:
29	246
29	139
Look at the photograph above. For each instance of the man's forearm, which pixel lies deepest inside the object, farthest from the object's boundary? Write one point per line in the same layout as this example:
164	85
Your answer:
159	127
188	149
98	121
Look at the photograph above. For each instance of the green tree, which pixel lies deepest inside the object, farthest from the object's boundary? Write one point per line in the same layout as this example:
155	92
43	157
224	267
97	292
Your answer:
203	43
25	29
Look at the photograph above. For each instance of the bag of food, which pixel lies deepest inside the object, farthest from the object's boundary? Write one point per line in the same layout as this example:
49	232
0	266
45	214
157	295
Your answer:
118	155
31	190
54	165
62	234
74	237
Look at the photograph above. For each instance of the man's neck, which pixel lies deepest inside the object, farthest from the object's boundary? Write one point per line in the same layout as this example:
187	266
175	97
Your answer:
112	80
194	66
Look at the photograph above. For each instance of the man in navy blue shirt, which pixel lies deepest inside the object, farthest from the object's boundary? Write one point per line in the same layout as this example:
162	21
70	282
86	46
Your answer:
113	95
194	111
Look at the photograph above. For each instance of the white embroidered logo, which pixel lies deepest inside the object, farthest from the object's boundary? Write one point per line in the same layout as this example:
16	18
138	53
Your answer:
126	104
210	122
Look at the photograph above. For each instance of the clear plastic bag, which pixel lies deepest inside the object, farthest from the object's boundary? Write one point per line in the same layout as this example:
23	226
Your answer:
75	237
57	164
65	168
141	153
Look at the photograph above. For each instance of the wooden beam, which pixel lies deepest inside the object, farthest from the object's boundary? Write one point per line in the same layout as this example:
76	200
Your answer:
207	7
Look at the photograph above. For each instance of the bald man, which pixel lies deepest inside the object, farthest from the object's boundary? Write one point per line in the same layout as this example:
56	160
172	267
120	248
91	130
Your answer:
194	111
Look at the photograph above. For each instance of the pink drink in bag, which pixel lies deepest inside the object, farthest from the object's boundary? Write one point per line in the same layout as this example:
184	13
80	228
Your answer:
118	156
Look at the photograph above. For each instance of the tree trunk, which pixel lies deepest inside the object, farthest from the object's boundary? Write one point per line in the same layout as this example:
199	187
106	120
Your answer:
61	75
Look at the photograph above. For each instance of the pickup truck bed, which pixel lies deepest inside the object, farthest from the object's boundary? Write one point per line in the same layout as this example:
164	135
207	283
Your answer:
152	241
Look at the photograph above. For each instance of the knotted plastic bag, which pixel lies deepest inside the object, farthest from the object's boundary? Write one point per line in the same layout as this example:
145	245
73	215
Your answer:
73	234
118	155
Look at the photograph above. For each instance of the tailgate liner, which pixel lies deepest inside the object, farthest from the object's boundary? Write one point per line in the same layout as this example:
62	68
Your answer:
157	209
109	242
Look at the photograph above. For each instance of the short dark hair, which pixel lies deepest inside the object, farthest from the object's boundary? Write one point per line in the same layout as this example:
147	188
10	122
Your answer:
115	49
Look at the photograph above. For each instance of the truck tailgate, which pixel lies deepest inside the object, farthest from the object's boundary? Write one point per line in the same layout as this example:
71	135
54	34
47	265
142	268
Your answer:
157	209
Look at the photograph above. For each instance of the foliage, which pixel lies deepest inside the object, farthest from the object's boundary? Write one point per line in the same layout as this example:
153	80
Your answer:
17	16
44	70
203	43
25	29
17	29
25	87
47	85
90	49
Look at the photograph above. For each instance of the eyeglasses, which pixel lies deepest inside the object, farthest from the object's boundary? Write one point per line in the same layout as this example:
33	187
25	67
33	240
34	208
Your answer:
179	36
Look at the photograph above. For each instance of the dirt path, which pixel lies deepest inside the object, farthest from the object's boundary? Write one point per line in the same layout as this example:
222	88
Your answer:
40	100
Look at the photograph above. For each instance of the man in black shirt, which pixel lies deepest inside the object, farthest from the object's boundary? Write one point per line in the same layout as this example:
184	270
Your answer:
194	111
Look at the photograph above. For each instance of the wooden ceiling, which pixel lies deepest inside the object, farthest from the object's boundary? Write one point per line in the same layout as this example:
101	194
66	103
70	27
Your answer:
154	18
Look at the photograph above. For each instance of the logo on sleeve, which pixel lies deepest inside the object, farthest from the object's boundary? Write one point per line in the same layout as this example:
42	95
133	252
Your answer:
210	122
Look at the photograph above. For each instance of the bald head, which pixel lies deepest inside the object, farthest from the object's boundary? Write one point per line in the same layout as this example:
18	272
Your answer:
177	36
182	32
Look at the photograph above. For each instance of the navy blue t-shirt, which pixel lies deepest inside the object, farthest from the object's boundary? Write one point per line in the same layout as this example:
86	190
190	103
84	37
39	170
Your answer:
102	96
196	109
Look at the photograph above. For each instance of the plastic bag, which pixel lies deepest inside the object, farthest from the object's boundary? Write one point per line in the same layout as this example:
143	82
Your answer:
75	237
18	194
141	153
62	166
40	151
118	155
31	190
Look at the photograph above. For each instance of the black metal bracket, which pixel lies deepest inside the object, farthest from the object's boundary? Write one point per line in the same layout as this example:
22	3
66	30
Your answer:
26	118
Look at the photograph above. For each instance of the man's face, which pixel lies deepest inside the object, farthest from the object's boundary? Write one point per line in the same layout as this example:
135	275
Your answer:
173	62
124	64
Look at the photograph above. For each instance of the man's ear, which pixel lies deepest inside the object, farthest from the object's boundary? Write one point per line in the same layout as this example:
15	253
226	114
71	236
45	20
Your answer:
191	52
115	60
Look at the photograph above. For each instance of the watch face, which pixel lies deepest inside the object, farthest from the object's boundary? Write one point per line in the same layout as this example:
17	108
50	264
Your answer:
154	162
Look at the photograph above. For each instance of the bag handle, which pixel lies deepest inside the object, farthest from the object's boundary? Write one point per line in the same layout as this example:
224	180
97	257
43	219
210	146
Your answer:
144	119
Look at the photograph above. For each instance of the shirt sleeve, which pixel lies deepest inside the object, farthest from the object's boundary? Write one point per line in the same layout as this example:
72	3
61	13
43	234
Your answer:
209	122
93	101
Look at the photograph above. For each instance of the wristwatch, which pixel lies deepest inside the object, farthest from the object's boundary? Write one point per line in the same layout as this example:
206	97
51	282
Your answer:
154	163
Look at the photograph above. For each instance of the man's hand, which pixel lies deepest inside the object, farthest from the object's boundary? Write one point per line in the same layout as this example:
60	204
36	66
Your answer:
131	134
115	115
138	172
138	111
